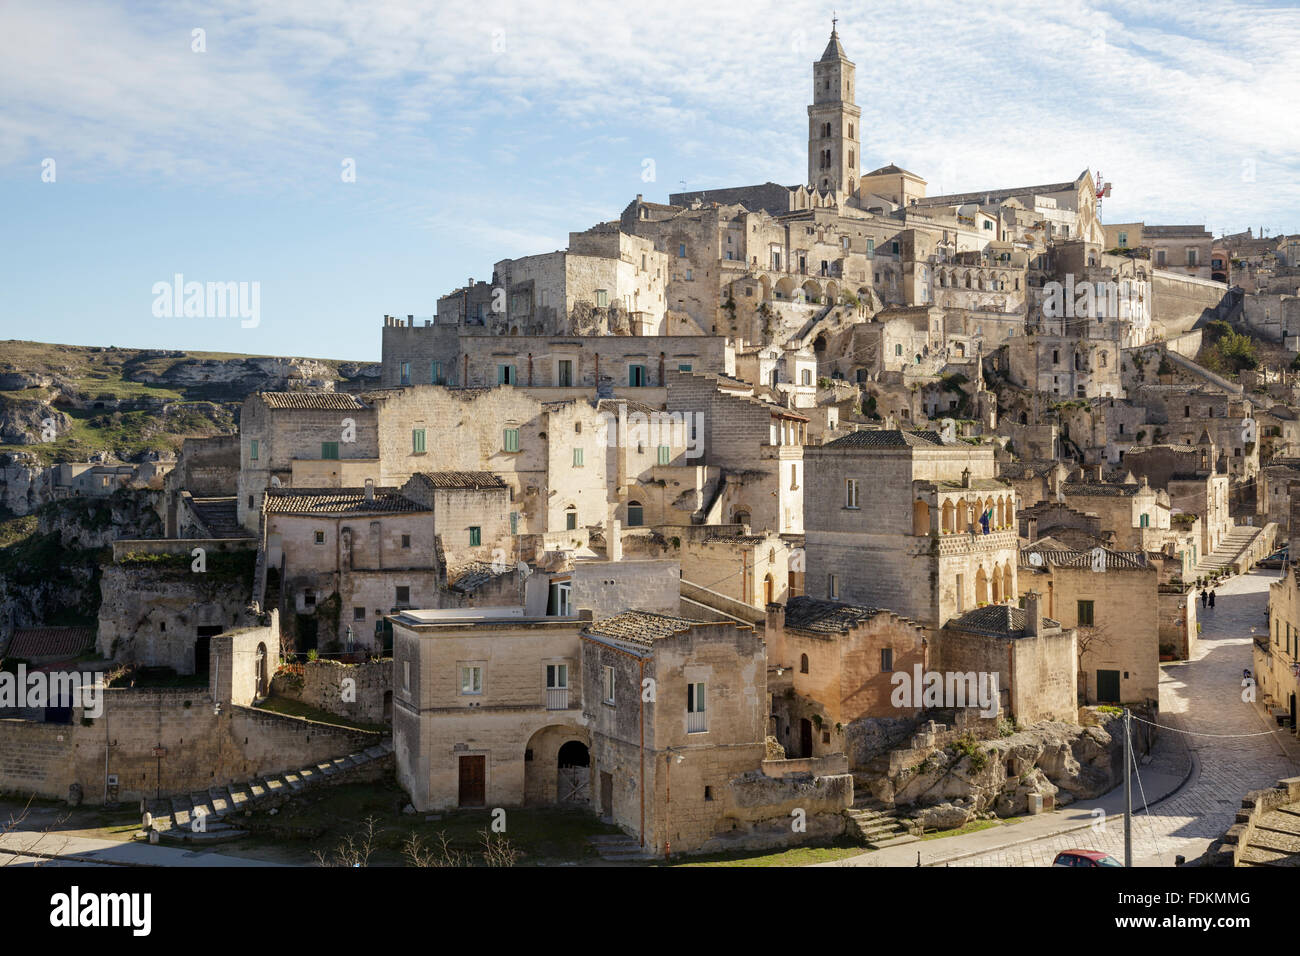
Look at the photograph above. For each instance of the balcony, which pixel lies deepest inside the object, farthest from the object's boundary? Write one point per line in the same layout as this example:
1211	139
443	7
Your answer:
557	698
696	722
952	543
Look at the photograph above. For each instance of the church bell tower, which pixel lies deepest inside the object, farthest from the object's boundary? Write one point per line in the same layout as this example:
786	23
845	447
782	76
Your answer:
834	122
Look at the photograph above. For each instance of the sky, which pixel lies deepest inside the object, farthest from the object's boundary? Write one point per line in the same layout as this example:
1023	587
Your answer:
347	160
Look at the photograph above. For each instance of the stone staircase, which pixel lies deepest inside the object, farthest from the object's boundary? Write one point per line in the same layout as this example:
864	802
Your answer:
1231	545
875	824
174	817
618	847
219	516
1275	839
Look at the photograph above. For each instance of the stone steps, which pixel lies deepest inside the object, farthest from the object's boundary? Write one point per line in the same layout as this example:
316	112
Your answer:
877	825
174	818
618	847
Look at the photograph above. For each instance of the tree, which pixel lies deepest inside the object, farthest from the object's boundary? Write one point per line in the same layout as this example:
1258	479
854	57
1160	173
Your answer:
1092	637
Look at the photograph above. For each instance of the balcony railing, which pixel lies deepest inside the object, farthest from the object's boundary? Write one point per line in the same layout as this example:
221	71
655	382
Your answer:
557	698
696	722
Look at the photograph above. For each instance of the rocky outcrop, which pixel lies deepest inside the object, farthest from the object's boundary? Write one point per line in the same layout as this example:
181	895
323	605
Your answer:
31	423
1056	763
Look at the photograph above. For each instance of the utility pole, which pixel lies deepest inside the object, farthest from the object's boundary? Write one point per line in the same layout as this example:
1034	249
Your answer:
1128	788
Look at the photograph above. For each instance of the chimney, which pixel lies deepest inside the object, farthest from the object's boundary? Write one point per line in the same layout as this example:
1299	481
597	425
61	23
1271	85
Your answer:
1033	615
614	541
965	477
410	321
774	635
370	491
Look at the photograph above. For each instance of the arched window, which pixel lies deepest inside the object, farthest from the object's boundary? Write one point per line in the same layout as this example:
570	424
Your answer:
803	663
635	514
571	518
920	517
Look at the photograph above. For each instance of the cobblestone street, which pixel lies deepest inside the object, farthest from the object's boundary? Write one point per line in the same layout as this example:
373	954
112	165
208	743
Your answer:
1202	696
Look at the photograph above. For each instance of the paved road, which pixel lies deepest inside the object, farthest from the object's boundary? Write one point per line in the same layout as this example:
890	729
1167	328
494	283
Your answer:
1201	696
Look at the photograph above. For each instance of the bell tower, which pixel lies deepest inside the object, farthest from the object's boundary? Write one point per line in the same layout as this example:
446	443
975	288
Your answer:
834	122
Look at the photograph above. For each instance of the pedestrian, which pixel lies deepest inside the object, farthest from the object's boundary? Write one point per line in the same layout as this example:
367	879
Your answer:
1205	596
1211	597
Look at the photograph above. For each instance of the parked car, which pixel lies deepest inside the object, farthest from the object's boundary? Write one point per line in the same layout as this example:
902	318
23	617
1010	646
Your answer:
1085	858
1275	561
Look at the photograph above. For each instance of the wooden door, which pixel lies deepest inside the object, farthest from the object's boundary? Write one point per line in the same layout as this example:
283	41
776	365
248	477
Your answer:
1108	687
805	738
473	780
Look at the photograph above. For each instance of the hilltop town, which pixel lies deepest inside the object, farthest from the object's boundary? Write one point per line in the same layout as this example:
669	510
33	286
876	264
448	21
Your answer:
834	514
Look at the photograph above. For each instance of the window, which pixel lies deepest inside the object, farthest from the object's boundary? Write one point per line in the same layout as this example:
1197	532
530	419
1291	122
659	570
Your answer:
506	375
850	492
833	586
320	537
557	676
570	518
1191	257
559	599
406	541
803	663
329	450
871	247
681	250
510	439
635	514
475	536
1144	521
690	275
988	225
358	614
435	372
577	457
417	441
471	679
696	719
686	367
403	593
886	659
607	684
564	373
1123	240
893	247
898	349
665	454
805	376
252	450
602	298
309	598
406	373
406	675
1085	616
636	376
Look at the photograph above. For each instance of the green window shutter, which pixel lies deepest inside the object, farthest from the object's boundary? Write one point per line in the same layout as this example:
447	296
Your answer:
417	441
329	450
514	522
665	454
252	450
577	457
511	439
475	537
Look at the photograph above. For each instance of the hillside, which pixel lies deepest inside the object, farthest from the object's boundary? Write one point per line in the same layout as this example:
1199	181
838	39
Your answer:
62	403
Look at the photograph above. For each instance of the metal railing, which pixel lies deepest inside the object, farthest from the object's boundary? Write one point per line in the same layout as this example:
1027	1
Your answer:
557	698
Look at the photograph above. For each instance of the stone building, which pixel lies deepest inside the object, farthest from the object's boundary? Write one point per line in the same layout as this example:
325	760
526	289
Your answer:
347	557
1111	598
903	520
754	569
1034	657
1276	664
841	659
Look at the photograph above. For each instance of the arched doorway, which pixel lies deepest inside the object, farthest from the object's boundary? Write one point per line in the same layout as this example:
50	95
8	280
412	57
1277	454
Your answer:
981	587
769	590
635	514
573	774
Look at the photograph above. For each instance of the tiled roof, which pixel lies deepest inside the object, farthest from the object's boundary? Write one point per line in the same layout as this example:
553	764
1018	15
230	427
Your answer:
826	617
1115	560
29	643
611	405
1001	619
460	479
474	574
336	501
1098	490
887	438
317	401
640	627
976	484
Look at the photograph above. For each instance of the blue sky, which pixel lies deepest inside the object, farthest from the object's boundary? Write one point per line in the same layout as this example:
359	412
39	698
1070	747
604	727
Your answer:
486	130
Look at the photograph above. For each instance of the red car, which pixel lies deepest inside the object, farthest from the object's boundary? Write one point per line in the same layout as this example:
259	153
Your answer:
1085	858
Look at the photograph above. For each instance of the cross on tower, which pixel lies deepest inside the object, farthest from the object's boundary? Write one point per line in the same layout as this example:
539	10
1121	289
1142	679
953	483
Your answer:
834	21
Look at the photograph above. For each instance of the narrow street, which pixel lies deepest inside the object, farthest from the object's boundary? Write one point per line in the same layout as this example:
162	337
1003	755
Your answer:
1231	748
